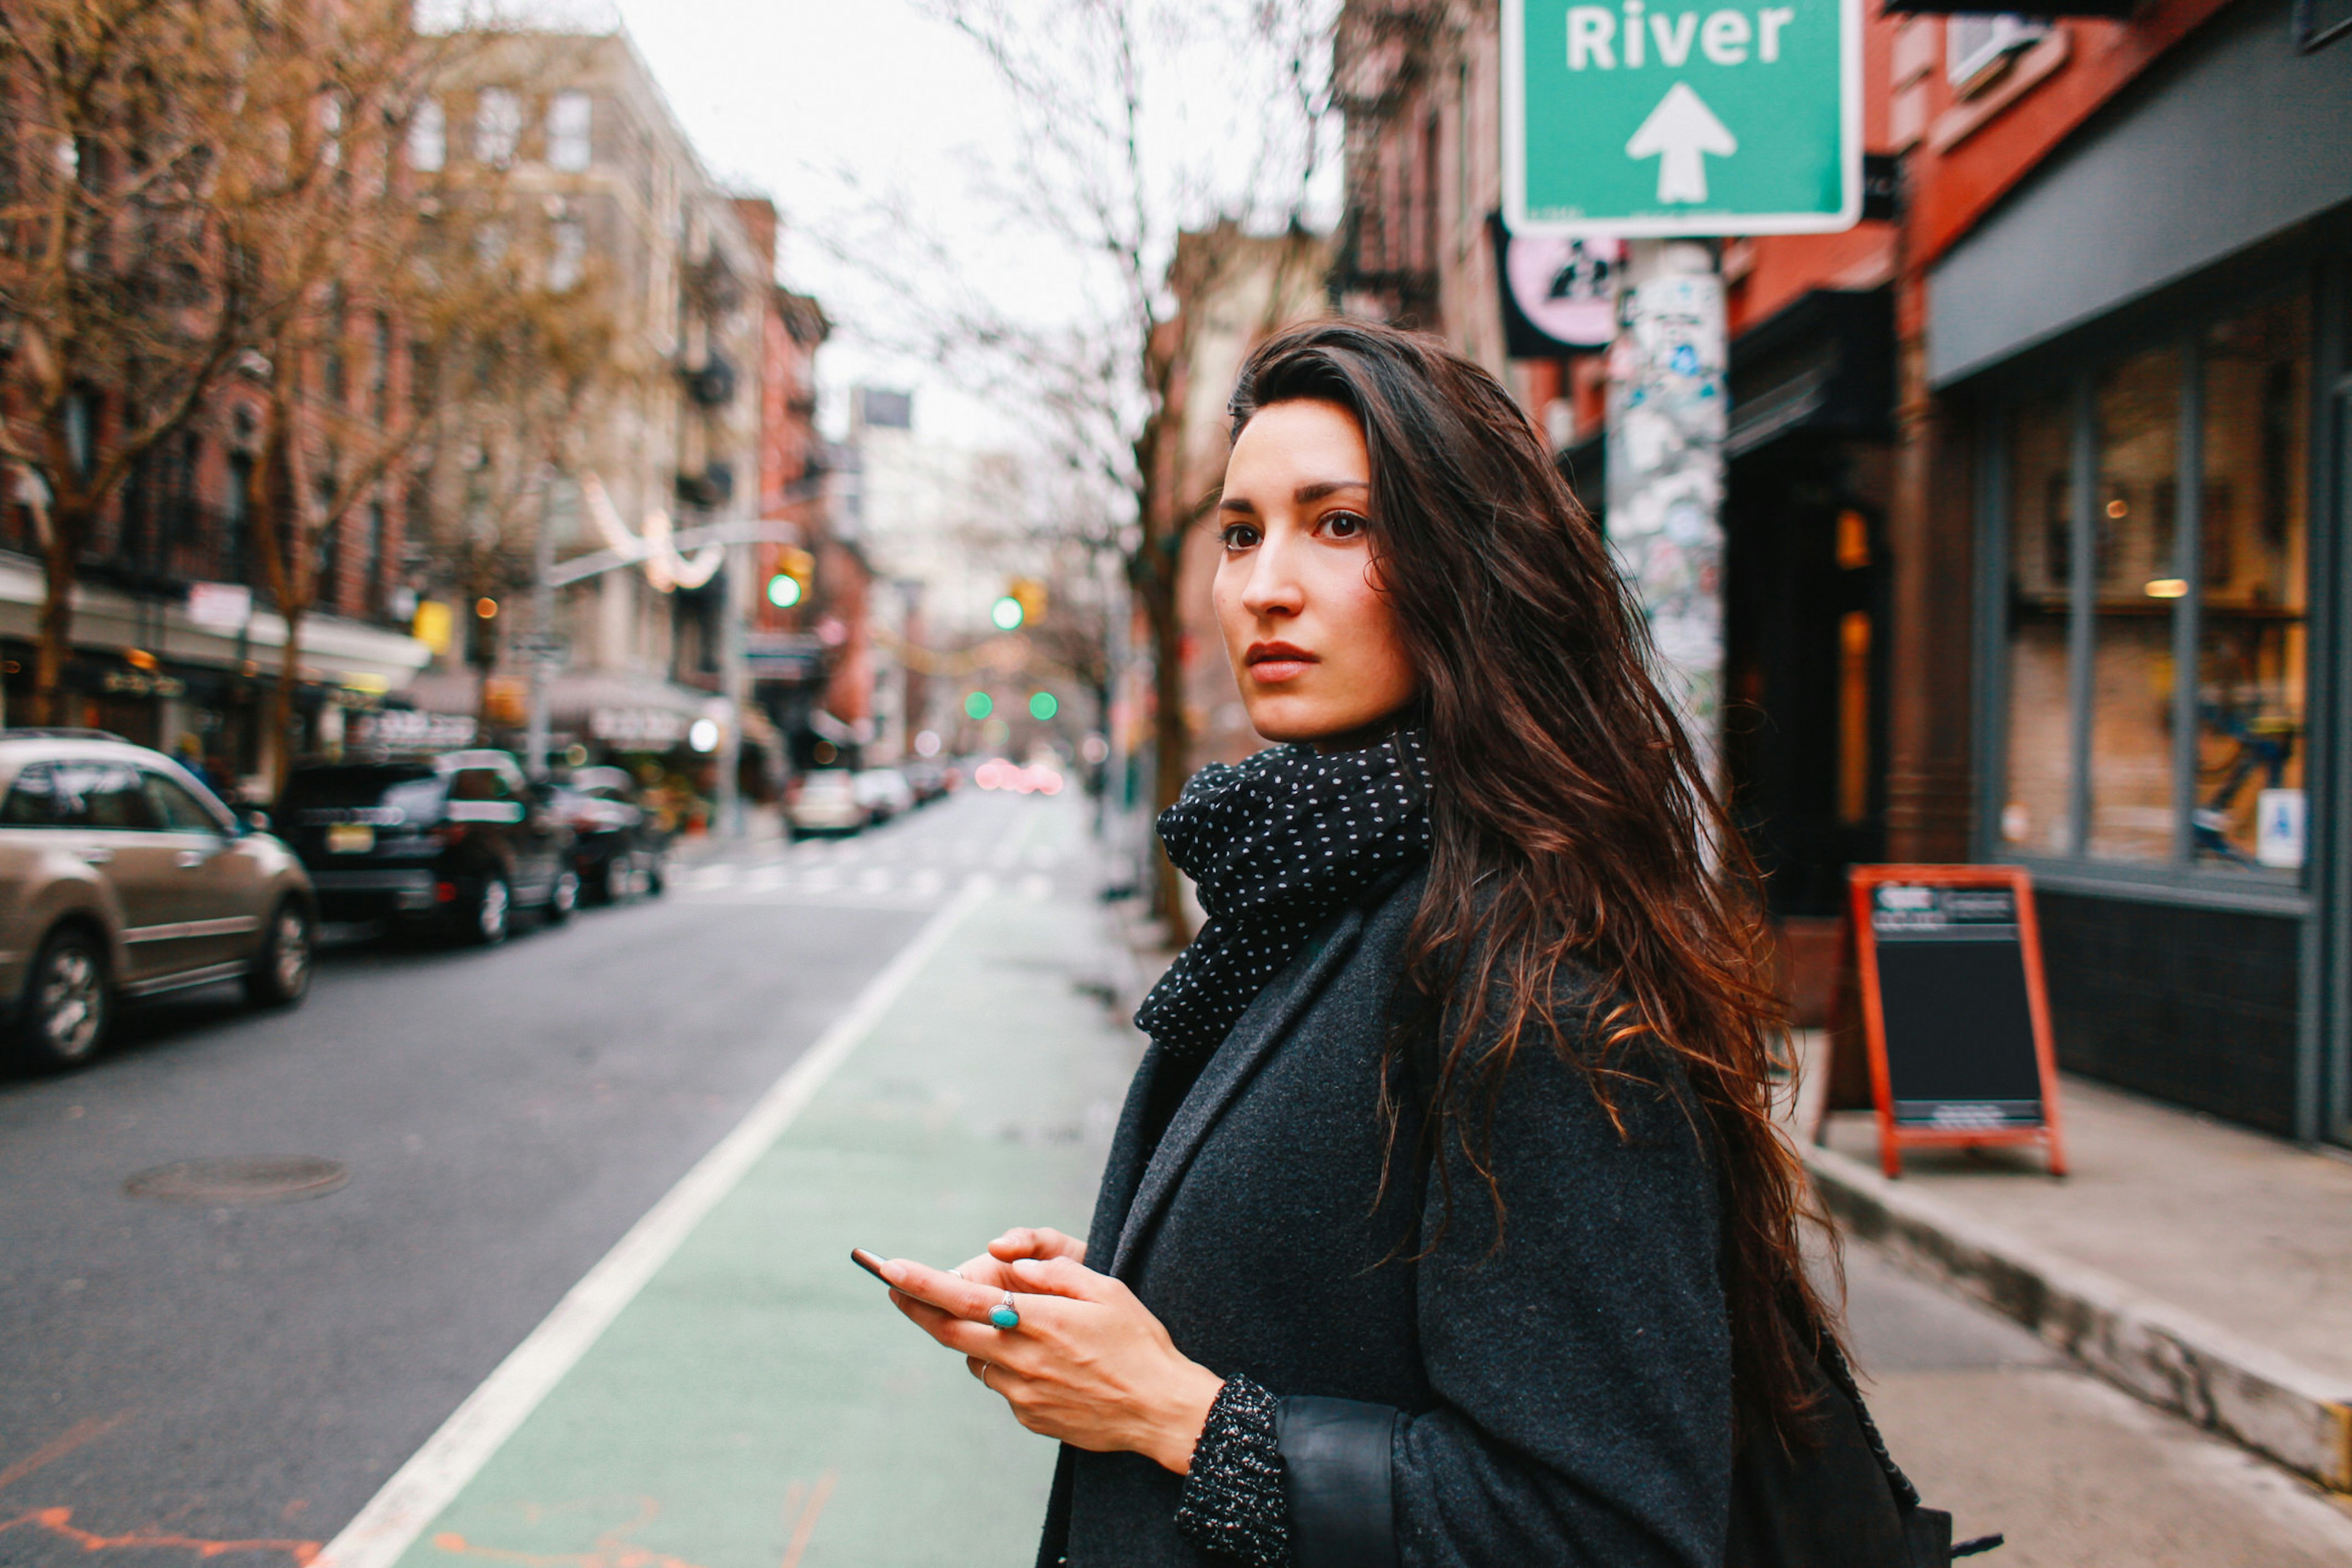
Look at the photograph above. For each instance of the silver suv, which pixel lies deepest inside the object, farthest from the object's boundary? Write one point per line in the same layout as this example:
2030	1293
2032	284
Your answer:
120	875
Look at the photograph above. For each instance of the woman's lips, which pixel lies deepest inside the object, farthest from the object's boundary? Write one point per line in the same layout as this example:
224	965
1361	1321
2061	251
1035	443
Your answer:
1271	663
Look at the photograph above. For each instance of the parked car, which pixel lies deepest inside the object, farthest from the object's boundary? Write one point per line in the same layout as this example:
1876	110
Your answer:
618	847
121	876
885	792
826	800
930	781
453	843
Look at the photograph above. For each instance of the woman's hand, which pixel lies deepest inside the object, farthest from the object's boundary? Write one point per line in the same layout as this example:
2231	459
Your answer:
1088	1364
1023	1241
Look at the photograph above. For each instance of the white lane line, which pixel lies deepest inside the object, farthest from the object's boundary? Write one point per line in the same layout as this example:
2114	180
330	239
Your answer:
438	1472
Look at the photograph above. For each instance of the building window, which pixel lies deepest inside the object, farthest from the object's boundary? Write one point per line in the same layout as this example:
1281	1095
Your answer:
2157	524
380	367
498	127
2252	576
567	253
372	556
2135	414
568	119
1977	46
428	137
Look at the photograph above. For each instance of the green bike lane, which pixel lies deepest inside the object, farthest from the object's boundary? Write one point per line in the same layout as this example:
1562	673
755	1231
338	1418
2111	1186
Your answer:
757	1403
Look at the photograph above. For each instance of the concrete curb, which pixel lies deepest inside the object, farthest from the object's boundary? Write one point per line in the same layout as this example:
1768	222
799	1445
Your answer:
2170	1358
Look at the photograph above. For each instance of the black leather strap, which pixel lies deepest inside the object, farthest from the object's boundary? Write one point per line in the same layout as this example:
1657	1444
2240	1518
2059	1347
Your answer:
1338	1459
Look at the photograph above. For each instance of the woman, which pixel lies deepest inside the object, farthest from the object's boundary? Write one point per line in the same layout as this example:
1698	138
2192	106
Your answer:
1446	1222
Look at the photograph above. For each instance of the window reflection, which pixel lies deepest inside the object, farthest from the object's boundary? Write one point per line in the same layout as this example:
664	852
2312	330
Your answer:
2033	815
2133	534
2252	574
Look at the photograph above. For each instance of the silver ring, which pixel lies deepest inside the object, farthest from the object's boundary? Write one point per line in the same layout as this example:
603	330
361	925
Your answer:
985	1368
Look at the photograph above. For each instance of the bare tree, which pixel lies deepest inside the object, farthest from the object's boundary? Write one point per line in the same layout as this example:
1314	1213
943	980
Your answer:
122	299
455	271
1128	139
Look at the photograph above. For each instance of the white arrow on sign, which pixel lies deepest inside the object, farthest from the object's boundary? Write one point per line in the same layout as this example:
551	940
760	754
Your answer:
1679	134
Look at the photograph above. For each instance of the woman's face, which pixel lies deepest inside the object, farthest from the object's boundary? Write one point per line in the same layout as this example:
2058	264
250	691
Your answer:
1311	634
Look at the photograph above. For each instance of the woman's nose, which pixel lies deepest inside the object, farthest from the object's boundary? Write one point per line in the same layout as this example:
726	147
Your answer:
1273	588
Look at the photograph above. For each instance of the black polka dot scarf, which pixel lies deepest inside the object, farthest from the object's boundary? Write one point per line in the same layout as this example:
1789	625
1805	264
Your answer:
1278	844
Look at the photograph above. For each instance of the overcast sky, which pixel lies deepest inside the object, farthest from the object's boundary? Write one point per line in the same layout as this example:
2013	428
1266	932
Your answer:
780	94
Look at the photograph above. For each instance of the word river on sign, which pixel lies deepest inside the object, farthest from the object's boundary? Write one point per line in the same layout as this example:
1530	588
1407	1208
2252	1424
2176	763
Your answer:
1596	42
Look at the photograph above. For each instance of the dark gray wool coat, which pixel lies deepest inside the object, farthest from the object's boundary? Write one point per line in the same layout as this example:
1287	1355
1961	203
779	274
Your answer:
1565	1400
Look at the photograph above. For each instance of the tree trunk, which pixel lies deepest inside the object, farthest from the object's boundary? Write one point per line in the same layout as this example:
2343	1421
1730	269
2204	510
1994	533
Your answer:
69	524
1172	731
279	756
274	501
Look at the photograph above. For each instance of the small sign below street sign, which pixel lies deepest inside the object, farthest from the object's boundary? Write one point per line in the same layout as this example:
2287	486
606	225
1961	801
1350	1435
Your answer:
1637	118
542	647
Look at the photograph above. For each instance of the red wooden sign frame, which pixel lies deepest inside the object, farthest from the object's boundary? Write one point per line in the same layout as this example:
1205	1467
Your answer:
1864	880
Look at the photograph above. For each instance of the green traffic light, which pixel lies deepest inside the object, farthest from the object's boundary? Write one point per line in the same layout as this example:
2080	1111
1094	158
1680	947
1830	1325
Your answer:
1043	707
1007	614
783	591
979	705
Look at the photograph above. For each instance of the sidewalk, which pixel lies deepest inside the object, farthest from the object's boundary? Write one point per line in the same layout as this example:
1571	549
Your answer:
756	1402
2205	1269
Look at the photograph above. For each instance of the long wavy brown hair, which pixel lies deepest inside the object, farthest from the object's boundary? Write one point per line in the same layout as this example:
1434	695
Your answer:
1572	821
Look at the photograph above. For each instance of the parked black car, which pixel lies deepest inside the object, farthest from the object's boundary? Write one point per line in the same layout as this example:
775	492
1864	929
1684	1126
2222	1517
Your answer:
452	843
618	847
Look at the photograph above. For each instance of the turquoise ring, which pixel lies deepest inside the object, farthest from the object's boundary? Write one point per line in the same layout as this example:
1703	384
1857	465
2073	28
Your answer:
1003	1315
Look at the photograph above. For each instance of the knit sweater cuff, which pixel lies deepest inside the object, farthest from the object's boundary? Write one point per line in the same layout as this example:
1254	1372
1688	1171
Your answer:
1232	1503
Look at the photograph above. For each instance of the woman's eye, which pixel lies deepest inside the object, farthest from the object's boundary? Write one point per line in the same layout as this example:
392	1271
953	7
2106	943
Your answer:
1342	524
1239	536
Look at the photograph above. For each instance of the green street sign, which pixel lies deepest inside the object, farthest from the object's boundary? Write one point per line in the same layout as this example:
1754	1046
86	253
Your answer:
1636	118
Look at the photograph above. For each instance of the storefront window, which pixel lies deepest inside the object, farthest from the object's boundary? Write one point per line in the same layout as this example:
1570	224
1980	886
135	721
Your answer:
2133	520
2252	573
2035	818
2177	537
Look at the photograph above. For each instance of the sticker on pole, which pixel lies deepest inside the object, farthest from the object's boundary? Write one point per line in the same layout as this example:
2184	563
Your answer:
1642	119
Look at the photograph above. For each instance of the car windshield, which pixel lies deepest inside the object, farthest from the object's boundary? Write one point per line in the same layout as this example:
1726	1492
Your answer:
825	784
414	789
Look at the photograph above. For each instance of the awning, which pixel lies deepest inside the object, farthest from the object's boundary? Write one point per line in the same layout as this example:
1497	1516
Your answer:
1824	365
335	651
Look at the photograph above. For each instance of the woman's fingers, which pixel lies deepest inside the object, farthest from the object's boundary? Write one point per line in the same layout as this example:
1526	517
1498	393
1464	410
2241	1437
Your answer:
1063	1276
1003	1346
1036	1241
941	1287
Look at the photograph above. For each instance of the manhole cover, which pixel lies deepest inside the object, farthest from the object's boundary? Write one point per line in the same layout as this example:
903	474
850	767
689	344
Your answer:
277	1179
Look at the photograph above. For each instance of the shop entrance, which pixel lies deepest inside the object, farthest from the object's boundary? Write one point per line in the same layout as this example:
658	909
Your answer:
1804	718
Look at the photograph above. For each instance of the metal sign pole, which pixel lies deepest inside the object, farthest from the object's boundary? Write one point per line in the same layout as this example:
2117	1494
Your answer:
1668	411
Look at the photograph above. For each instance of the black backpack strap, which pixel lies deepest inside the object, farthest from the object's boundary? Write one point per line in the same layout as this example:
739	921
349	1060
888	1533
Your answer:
1833	1360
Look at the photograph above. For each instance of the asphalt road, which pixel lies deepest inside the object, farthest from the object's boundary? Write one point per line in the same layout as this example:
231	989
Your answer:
175	1377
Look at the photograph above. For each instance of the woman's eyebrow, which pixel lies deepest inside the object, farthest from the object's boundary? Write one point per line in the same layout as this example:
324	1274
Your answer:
1302	496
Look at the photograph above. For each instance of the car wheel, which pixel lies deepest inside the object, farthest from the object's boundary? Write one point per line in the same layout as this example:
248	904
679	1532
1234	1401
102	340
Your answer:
280	976
562	897
66	1004
602	882
493	912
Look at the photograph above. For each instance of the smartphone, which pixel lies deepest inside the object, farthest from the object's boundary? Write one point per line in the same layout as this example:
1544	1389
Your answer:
868	1262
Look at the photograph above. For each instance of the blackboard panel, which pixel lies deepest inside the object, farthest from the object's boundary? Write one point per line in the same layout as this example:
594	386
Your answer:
1959	1033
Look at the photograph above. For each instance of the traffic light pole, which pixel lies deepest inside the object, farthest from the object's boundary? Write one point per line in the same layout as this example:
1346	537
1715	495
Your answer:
735	685
546	657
